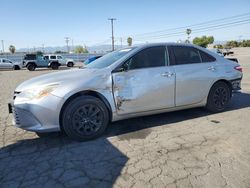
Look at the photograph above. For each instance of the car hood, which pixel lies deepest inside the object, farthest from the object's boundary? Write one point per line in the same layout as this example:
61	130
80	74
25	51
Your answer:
69	76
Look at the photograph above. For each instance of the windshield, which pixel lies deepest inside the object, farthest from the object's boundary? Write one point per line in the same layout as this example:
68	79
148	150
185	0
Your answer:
108	59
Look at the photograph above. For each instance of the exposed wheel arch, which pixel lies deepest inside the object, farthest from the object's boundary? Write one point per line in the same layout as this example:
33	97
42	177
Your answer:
81	93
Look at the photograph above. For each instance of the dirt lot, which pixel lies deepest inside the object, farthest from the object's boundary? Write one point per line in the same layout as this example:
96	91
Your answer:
190	148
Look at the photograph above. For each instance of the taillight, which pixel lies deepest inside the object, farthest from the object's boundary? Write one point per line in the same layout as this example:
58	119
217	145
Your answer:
238	68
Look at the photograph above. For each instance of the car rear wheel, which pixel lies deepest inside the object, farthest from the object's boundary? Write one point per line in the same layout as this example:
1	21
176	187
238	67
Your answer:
70	64
31	67
54	66
219	97
85	118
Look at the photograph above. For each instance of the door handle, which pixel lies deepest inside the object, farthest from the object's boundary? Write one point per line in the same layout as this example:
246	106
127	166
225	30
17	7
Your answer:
212	68
167	74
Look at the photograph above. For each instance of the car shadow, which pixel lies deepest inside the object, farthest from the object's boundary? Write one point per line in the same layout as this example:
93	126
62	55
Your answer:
239	101
59	161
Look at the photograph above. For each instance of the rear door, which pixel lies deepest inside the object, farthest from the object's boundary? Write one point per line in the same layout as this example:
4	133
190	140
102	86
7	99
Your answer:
195	72
145	82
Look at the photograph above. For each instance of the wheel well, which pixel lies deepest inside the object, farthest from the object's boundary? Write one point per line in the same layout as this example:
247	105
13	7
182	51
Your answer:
81	93
16	67
226	82
31	63
54	62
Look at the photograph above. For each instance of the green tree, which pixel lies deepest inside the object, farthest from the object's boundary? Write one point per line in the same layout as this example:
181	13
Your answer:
203	41
80	50
232	44
129	41
12	49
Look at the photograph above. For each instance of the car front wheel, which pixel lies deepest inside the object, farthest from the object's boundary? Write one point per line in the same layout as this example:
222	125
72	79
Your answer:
219	97
85	118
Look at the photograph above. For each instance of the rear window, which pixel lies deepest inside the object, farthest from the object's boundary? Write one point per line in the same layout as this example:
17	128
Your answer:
186	55
206	57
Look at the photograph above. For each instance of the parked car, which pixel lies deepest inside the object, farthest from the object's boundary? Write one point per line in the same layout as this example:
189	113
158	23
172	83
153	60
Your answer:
217	51
60	59
91	59
8	64
33	61
227	51
131	82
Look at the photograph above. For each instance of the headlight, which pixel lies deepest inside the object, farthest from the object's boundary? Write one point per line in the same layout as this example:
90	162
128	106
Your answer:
37	92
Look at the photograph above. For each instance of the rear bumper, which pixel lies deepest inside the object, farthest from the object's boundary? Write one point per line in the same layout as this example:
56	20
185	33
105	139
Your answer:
236	84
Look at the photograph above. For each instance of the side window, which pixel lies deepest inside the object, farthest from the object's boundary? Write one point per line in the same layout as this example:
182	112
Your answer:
206	57
46	57
4	61
150	57
186	55
53	57
59	57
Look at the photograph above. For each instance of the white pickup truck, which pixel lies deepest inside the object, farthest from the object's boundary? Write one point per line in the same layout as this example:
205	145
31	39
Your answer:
60	59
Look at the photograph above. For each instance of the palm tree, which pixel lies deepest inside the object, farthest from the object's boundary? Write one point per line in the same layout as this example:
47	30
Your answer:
12	49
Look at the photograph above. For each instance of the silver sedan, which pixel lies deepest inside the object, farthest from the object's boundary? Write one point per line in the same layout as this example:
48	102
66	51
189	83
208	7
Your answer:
8	64
136	81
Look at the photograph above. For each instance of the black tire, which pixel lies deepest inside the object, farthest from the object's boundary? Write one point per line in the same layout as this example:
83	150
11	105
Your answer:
219	97
85	118
16	67
70	64
31	67
54	66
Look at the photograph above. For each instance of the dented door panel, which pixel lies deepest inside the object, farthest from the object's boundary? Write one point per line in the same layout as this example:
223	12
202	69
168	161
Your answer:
142	90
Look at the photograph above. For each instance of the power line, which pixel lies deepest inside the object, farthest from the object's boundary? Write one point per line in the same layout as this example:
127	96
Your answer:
222	26
198	29
194	25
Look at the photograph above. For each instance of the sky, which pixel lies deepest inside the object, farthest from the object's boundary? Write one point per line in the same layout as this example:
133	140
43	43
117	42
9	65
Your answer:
34	23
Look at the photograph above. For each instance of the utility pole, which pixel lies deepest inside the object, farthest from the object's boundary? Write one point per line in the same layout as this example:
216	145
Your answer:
67	43
113	41
72	42
43	47
2	45
121	42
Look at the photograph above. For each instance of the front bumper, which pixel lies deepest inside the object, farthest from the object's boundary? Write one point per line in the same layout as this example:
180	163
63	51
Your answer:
38	115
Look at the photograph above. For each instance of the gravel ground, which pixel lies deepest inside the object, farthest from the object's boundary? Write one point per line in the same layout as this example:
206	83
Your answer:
189	148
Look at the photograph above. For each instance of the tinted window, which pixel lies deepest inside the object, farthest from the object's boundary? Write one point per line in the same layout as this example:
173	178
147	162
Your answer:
206	57
30	57
150	57
46	57
186	55
53	57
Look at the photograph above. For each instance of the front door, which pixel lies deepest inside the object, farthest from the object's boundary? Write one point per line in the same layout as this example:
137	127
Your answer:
146	82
